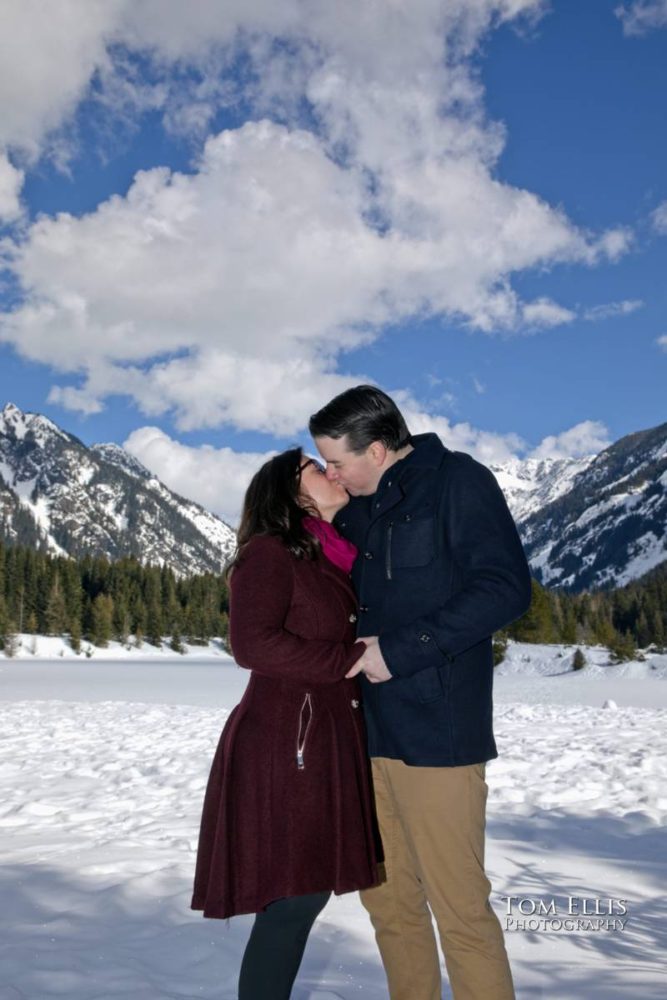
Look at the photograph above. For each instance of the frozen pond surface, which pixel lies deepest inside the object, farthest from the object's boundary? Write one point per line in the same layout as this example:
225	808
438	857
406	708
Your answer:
177	682
103	764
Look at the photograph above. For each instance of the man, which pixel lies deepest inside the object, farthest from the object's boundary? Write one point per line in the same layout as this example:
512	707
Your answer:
440	568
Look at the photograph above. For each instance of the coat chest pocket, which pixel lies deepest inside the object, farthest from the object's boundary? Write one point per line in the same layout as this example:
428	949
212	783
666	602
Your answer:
410	542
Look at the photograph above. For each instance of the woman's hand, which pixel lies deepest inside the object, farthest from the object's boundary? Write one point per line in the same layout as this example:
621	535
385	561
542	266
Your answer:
372	662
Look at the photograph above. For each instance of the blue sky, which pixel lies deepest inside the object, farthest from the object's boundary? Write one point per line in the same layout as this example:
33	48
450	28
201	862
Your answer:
213	223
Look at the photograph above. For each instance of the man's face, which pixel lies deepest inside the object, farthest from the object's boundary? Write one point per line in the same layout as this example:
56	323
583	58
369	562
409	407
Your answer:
359	474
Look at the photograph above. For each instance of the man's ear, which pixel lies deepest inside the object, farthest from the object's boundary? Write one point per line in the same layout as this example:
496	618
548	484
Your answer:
378	452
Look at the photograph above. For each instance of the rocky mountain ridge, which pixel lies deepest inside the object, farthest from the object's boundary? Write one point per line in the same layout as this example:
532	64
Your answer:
597	522
58	494
589	522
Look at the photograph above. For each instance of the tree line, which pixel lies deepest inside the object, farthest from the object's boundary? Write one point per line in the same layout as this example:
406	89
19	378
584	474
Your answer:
624	619
98	600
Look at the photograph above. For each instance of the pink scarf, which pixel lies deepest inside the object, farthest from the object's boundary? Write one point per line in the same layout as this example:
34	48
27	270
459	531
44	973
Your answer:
336	548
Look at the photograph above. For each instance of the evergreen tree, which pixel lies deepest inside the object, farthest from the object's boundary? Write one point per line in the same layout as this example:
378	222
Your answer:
154	623
31	583
75	635
643	631
175	642
138	616
578	660
622	648
87	627
10	639
72	589
42	593
657	630
604	632
4	620
557	615
223	629
102	620
171	608
121	620
189	628
56	611
568	633
537	623
499	647
153	599
19	606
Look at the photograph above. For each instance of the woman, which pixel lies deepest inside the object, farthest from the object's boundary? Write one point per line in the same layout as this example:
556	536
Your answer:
288	812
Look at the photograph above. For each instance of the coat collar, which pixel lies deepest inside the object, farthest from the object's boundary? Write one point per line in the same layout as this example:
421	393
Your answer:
427	453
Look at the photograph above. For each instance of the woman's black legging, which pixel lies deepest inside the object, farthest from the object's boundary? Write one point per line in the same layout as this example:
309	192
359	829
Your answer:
277	941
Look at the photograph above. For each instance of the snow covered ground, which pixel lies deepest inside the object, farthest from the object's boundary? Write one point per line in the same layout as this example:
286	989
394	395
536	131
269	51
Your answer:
103	763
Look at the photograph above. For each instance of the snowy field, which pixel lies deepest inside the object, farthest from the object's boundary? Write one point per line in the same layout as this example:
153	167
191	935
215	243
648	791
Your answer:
103	763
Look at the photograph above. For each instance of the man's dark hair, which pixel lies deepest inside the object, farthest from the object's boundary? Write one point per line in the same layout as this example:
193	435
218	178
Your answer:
365	414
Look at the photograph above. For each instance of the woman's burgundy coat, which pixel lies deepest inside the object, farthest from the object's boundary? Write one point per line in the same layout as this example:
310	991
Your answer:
270	827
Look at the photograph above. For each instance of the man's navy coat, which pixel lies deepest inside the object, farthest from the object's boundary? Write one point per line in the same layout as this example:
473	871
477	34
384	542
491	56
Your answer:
440	568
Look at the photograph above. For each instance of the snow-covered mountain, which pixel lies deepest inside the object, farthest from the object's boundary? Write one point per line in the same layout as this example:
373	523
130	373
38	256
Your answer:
599	521
531	484
58	494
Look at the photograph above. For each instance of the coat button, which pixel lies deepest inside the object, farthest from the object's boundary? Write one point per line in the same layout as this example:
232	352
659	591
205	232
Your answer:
355	703
425	637
363	608
352	617
408	517
368	555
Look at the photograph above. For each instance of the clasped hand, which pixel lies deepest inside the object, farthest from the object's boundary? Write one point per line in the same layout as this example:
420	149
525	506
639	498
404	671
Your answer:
372	662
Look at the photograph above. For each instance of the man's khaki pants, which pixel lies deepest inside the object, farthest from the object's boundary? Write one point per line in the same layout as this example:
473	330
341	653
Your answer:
432	825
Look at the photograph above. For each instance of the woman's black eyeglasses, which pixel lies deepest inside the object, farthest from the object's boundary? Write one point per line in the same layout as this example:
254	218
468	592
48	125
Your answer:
312	461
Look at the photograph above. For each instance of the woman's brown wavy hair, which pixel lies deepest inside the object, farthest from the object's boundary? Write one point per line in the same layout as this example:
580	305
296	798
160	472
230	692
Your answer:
272	506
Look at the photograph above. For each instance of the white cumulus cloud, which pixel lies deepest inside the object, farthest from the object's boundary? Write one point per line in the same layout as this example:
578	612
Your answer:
217	478
545	313
659	218
609	310
586	438
11	182
486	446
642	16
229	294
48	55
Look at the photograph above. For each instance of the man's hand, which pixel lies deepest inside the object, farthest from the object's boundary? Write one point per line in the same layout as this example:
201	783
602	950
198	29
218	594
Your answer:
372	662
